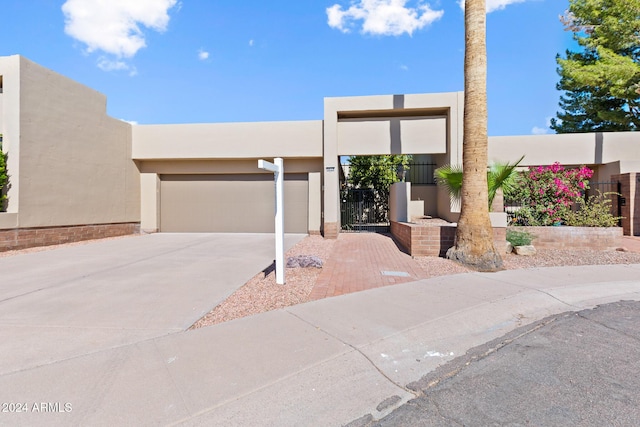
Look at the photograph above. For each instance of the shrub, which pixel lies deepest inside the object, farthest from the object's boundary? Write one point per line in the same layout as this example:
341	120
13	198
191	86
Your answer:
519	238
3	177
548	192
594	212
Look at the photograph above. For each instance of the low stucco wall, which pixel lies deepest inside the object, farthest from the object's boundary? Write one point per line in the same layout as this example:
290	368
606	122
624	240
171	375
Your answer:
564	237
429	240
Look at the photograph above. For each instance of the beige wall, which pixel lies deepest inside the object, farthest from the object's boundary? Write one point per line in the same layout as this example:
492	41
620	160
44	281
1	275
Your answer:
428	194
149	202
231	166
228	140
74	162
406	135
568	149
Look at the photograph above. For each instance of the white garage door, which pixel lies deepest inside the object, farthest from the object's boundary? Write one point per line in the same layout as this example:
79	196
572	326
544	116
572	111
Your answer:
231	203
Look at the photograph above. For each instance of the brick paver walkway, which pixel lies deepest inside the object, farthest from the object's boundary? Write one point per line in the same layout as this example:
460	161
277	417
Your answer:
361	261
632	243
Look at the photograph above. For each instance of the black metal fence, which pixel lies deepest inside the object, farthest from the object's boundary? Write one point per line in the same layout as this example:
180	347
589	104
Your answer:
421	173
364	210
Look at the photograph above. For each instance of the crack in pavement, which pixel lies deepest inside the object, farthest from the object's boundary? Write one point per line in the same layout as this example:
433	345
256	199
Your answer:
356	349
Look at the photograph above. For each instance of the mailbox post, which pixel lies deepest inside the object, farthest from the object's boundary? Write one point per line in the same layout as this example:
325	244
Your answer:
277	167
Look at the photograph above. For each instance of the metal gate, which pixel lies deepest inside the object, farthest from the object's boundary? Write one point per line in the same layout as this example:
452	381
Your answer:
364	210
611	190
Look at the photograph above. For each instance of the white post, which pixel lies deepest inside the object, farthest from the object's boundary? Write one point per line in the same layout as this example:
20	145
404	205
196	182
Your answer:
278	172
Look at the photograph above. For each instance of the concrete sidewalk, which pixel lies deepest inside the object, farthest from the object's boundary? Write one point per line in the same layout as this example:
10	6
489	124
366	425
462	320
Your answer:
322	363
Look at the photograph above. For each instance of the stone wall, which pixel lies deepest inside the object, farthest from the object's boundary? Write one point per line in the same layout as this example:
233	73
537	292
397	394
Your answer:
429	240
599	238
22	238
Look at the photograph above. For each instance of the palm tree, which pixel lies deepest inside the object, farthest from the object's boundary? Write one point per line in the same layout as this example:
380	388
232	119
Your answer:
499	176
474	237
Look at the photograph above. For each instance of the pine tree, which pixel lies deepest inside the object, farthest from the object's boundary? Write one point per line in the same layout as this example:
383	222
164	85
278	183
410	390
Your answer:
601	82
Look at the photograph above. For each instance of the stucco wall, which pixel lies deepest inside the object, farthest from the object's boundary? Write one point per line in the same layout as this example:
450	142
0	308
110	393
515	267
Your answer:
231	166
75	161
429	194
568	149
228	140
408	135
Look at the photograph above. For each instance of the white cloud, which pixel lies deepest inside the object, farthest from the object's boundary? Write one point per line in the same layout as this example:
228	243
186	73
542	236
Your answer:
107	64
114	26
251	42
404	67
131	122
493	5
203	55
537	130
382	17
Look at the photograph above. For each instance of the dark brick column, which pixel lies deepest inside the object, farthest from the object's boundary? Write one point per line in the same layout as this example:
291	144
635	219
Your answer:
630	191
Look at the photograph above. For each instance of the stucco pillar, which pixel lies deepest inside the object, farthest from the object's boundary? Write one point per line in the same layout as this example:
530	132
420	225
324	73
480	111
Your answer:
149	202
315	202
399	201
331	173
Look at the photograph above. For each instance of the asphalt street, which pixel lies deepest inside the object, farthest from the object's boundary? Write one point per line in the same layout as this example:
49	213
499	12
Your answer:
572	369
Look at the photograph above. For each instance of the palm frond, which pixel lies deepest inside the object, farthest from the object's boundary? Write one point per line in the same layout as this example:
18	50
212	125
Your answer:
450	177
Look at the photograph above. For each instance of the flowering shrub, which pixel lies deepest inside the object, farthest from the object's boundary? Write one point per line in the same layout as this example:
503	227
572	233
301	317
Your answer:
594	212
547	193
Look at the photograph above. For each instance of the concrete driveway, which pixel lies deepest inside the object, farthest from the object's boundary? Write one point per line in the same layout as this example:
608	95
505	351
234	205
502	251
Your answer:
77	300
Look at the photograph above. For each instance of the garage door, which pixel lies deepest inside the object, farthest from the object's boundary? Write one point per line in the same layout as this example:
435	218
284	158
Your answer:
231	203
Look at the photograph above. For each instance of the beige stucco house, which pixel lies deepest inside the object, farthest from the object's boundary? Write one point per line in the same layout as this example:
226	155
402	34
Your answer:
77	173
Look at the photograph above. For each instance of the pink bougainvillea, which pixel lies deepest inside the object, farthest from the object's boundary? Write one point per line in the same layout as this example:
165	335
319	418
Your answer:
549	191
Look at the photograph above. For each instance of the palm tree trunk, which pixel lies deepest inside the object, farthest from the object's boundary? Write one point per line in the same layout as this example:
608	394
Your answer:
474	237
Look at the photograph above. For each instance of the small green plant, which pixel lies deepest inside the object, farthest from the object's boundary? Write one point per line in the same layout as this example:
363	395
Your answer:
594	212
519	238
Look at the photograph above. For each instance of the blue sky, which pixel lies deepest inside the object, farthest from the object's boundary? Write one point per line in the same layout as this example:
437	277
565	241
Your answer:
193	61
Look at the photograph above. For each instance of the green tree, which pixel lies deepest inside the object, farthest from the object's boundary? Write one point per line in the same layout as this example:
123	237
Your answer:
377	172
474	235
601	81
